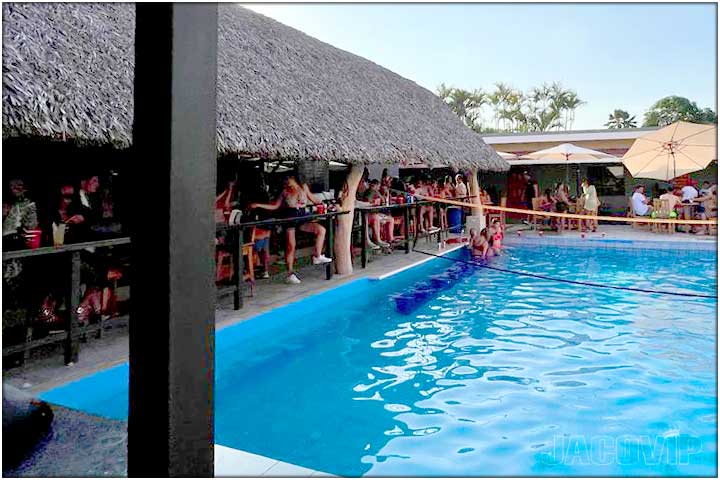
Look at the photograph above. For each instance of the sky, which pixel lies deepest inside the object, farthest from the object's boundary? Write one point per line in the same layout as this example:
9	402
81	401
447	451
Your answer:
624	56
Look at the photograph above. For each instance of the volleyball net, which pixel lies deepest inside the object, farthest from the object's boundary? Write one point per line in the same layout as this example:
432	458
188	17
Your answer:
570	216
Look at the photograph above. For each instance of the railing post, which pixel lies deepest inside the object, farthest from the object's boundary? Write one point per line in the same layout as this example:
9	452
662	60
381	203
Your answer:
363	242
238	267
406	219
437	216
330	246
72	344
418	225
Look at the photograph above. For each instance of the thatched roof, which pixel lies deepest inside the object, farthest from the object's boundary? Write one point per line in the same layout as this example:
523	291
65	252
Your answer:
68	74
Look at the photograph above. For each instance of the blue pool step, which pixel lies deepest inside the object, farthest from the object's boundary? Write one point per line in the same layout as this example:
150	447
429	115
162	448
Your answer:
420	293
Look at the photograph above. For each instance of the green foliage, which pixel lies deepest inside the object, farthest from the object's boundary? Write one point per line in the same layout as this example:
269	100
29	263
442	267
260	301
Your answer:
466	104
673	108
541	109
621	119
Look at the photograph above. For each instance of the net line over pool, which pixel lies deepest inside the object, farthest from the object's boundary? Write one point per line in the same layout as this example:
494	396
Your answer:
563	280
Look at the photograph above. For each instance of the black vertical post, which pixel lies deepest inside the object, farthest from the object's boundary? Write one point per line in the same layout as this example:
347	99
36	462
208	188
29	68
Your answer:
72	345
238	266
418	225
363	242
437	216
172	323
329	246
406	218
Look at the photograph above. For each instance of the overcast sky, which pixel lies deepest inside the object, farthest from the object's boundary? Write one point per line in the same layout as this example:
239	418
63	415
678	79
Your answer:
613	55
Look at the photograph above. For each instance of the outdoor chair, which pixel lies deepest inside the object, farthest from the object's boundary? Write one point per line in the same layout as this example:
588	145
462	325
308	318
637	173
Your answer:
537	219
631	214
662	207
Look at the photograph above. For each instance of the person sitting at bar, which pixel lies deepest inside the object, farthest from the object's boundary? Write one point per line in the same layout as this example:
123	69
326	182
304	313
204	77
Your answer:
547	201
65	214
706	209
562	203
90	207
386	182
640	202
704	189
427	212
485	197
378	221
19	215
444	191
226	202
293	200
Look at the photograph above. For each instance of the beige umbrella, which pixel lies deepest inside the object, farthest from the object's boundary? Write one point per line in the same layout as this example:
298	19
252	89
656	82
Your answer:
672	151
569	153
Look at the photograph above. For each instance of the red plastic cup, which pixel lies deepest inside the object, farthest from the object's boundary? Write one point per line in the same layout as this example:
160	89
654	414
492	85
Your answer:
32	238
321	208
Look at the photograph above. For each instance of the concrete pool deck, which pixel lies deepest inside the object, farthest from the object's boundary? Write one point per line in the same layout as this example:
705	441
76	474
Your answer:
74	428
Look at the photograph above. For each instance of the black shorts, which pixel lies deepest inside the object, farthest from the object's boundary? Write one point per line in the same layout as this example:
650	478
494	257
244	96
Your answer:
298	213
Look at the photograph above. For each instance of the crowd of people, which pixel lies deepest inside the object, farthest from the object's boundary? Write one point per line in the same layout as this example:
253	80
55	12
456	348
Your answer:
557	199
295	201
74	210
390	190
685	202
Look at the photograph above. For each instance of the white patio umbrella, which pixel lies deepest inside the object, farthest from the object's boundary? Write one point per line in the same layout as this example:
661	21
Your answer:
672	151
571	154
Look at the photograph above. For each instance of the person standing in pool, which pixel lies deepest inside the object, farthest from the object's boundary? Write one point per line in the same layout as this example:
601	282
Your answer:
293	200
479	244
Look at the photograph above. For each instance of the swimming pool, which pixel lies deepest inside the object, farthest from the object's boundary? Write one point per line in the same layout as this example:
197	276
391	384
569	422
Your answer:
485	373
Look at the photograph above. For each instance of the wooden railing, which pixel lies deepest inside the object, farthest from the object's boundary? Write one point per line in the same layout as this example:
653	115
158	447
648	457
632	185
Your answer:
73	330
236	236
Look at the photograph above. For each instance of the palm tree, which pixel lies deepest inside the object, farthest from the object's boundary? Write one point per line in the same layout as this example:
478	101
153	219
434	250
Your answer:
499	100
572	102
466	104
621	119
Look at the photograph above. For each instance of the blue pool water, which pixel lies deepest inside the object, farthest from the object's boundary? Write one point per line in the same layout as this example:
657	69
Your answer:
488	374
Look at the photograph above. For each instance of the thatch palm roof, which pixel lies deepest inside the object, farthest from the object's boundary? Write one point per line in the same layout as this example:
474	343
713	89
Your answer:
68	73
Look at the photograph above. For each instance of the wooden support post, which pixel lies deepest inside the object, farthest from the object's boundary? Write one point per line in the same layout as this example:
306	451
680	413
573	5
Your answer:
363	242
406	217
171	421
330	247
72	345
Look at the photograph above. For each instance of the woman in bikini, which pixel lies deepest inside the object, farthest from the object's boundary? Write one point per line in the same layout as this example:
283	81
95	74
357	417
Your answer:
294	198
479	245
497	236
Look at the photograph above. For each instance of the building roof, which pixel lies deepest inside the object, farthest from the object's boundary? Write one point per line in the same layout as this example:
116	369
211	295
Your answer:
68	74
567	136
